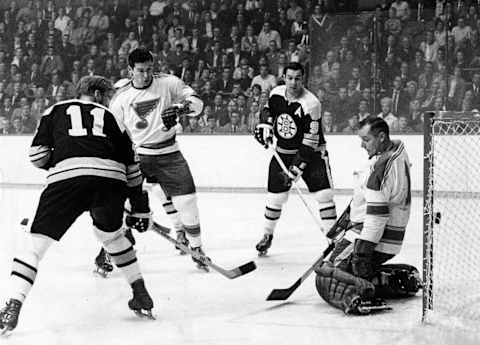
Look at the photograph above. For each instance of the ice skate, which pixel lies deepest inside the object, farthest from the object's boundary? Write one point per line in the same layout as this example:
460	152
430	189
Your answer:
103	264
141	303
9	316
201	263
181	238
264	244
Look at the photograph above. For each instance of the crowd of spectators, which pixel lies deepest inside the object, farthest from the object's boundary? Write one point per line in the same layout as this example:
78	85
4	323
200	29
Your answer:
232	52
397	63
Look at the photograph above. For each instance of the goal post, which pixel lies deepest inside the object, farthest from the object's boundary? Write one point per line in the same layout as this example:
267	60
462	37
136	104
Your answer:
451	218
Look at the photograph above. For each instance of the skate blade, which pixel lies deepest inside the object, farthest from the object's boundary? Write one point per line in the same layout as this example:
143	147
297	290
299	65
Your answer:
144	314
262	254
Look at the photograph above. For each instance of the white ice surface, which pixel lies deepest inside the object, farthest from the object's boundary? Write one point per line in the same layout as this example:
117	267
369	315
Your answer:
69	305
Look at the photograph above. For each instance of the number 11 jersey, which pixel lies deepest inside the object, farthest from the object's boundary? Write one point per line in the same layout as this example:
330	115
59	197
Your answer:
79	138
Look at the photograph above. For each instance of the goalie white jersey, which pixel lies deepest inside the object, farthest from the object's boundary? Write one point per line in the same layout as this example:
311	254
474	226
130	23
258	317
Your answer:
382	200
141	108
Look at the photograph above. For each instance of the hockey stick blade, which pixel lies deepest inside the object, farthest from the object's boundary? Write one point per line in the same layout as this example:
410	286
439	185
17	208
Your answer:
283	294
231	274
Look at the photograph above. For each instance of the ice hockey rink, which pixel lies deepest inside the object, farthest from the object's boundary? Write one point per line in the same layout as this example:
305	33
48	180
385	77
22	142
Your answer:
70	305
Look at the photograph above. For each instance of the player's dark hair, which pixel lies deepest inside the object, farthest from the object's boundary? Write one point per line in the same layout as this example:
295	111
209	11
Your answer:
87	85
139	55
377	125
294	66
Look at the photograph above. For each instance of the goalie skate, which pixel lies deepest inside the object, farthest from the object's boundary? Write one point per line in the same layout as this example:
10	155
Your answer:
141	303
103	264
360	307
264	244
201	259
182	239
9	316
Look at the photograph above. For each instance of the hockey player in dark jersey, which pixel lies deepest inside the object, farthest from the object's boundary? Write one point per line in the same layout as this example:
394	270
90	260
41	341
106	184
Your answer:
293	117
91	167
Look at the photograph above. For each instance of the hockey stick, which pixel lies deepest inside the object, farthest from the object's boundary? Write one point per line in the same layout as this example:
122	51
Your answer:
283	294
231	274
344	224
295	185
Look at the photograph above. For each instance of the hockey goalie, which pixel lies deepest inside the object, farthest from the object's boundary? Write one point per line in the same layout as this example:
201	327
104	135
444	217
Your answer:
355	277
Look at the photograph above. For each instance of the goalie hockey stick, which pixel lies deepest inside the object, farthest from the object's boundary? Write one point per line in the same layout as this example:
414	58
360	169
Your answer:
336	233
231	274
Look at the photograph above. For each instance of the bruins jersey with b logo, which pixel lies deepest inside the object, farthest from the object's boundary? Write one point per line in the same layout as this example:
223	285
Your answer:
296	122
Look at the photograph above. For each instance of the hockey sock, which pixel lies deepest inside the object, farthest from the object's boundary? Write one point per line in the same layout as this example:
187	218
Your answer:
122	253
328	212
173	215
24	272
189	215
273	210
24	267
167	205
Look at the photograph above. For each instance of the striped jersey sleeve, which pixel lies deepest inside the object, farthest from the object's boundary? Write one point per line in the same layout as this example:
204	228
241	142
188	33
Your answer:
388	199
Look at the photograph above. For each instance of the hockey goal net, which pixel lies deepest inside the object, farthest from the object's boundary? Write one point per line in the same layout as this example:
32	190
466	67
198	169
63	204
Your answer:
451	246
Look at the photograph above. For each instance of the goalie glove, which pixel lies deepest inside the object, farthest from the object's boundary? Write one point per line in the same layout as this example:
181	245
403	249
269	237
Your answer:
140	217
264	130
362	258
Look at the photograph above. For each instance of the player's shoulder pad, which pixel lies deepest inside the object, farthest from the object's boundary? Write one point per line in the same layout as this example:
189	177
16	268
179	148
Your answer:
278	90
164	76
124	82
309	100
383	165
50	109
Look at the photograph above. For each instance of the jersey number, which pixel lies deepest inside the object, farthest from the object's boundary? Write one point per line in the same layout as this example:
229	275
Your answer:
77	129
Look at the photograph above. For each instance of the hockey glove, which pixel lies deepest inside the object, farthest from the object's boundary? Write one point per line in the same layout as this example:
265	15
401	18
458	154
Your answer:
140	217
170	115
264	130
362	258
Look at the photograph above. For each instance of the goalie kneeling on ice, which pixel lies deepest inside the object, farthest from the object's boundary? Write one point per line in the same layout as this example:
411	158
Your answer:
347	292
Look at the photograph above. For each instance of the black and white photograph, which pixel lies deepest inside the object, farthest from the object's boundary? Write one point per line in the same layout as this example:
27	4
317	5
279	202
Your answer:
239	172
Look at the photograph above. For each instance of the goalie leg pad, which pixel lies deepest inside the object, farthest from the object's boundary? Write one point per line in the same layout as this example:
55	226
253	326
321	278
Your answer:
396	281
121	252
342	289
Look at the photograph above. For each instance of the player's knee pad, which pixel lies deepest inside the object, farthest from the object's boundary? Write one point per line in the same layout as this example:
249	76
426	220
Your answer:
277	200
274	204
341	289
187	207
118	246
36	245
396	281
324	196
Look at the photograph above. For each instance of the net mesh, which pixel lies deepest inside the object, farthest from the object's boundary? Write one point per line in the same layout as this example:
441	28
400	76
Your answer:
452	227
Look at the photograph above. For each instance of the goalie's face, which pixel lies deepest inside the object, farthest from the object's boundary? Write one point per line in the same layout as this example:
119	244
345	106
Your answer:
370	142
142	73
